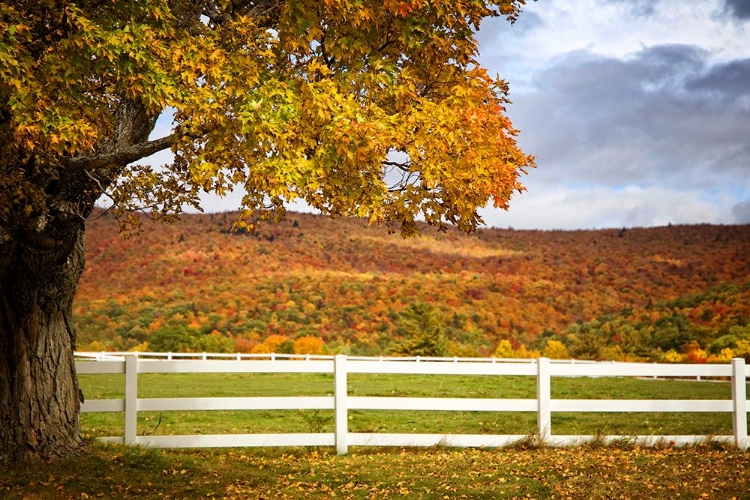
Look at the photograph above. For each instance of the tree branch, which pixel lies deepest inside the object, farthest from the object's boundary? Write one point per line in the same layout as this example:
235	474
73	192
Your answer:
261	8
122	156
219	14
405	166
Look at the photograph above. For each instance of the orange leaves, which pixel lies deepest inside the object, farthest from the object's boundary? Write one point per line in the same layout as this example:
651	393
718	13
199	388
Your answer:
308	345
273	344
454	130
307	105
404	9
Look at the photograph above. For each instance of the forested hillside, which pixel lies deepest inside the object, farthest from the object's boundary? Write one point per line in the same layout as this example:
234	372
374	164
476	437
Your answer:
312	284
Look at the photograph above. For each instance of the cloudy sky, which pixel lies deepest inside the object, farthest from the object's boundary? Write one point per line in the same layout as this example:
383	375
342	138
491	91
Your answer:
638	111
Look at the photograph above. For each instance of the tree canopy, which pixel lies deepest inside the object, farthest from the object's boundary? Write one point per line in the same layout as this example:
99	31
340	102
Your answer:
359	108
364	108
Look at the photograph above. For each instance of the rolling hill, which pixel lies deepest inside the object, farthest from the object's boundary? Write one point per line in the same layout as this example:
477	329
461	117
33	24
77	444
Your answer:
312	283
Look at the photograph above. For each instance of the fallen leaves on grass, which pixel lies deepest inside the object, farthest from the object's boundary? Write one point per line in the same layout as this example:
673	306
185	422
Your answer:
540	473
435	473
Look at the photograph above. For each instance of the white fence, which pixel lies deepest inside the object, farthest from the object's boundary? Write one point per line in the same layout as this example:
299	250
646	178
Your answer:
340	366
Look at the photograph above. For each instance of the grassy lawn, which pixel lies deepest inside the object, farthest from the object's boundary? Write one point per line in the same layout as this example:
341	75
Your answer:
109	471
264	421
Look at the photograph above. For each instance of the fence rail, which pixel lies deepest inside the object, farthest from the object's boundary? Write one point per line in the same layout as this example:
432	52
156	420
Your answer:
340	366
205	356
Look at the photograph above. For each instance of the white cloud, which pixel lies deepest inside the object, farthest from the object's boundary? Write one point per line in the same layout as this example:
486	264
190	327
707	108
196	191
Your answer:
603	207
636	109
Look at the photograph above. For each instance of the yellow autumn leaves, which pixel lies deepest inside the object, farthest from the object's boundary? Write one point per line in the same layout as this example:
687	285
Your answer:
309	101
604	472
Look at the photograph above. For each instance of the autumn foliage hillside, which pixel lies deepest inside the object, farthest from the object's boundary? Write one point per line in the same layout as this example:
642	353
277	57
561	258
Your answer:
312	284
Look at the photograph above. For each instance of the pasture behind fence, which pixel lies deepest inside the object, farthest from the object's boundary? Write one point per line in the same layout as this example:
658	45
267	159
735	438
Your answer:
341	402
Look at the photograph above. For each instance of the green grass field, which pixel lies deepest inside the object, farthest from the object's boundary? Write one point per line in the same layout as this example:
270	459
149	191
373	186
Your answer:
462	422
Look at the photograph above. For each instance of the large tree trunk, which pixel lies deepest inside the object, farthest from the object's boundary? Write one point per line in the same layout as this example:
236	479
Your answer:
39	395
41	260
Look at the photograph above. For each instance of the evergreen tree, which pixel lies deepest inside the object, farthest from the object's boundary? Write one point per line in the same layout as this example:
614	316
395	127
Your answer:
421	326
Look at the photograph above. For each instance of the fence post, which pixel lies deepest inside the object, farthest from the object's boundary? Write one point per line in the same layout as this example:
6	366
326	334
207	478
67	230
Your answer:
739	403
131	400
339	404
543	395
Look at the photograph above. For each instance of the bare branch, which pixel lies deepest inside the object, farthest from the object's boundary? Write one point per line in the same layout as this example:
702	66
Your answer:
405	166
98	183
261	8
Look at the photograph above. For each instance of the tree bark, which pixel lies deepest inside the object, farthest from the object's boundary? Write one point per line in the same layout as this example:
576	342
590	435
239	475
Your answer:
41	261
39	394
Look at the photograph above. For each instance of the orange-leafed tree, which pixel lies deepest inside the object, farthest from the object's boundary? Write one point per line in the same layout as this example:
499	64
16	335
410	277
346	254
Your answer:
308	345
376	109
274	344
